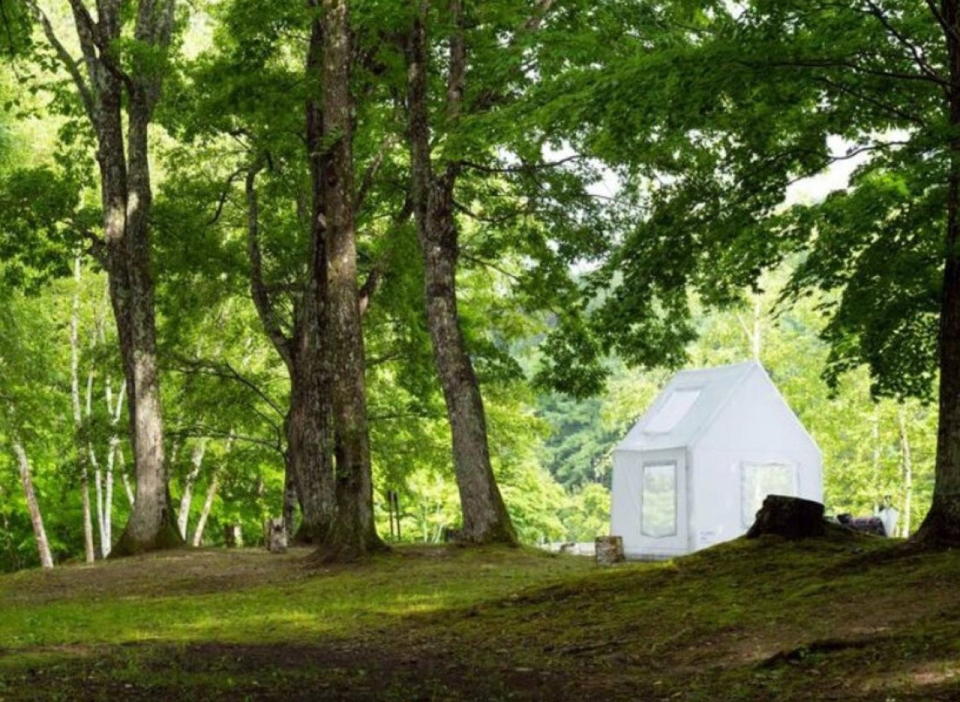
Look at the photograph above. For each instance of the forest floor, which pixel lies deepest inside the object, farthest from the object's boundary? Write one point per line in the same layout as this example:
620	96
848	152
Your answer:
842	618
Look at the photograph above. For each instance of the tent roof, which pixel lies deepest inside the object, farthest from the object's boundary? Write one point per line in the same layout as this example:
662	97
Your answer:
686	406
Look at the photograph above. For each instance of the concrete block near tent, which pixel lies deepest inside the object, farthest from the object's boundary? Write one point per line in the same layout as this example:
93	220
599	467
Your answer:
608	550
696	467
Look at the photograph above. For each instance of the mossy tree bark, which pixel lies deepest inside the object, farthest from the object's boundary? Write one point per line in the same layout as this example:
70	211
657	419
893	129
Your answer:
306	425
354	534
107	89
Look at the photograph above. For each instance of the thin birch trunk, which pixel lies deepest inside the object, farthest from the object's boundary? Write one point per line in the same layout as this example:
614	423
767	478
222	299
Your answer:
196	461
207	507
113	448
907	466
97	476
754	330
127	487
211	494
875	457
88	547
36	518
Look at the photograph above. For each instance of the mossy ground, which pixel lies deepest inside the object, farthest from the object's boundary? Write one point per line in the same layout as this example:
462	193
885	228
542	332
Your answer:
836	618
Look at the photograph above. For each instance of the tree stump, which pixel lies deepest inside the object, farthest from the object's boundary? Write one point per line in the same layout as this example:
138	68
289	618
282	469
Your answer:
789	517
232	535
275	535
609	550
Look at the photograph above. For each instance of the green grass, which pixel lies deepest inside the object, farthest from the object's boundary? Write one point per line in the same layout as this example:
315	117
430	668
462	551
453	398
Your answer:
833	619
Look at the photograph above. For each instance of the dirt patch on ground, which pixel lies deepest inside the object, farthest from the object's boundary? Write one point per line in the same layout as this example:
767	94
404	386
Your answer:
179	572
335	670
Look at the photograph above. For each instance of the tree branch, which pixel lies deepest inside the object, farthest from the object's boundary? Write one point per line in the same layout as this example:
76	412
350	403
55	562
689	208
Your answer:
941	20
843	63
915	51
224	194
370	174
86	93
457	69
368	289
204	432
892	109
227	372
522	168
258	290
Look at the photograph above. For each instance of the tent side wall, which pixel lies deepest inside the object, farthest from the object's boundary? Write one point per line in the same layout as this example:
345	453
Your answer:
756	429
627	512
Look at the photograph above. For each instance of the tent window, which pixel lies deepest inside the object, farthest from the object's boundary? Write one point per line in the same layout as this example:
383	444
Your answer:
659	501
761	479
673	410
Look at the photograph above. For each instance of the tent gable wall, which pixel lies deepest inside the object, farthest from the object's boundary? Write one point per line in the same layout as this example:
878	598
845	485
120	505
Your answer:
756	416
756	428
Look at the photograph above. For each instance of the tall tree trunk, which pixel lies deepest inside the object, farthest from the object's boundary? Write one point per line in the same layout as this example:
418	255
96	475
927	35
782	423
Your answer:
353	534
186	498
151	523
941	527
309	457
125	249
36	518
104	86
485	517
88	547
308	462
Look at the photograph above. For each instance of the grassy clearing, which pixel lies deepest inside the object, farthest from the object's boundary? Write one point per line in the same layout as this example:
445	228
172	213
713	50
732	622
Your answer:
830	619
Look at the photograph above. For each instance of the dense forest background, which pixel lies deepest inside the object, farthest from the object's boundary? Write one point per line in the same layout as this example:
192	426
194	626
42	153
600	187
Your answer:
224	388
552	452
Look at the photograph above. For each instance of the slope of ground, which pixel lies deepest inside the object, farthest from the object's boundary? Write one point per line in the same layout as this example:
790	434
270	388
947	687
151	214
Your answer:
823	619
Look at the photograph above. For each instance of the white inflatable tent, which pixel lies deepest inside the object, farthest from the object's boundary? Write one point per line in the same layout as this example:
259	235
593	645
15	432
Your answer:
695	468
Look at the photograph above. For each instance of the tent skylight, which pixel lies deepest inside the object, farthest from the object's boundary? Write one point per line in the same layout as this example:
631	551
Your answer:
672	411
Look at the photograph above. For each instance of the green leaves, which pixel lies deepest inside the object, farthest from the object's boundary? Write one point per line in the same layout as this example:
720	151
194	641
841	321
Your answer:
712	122
40	223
